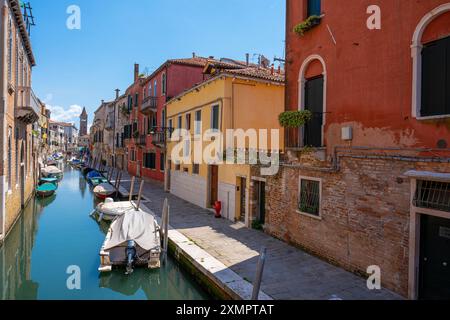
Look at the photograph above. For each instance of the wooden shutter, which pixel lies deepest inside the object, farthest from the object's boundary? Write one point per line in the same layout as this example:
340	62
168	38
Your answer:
314	103
436	78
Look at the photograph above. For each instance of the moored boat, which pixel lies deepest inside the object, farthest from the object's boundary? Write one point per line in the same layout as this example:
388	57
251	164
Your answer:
46	190
133	240
48	180
110	210
52	172
104	190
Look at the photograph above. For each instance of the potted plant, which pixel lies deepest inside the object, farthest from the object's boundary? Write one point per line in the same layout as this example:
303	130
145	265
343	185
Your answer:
307	25
294	119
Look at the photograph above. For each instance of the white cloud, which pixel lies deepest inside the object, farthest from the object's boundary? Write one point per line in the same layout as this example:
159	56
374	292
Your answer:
71	115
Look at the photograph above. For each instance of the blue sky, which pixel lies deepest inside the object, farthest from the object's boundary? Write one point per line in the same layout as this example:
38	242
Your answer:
78	68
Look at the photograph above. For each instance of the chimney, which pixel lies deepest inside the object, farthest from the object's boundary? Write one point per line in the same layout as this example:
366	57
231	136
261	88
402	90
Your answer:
194	55
117	93
136	72
272	69
247	58
103	101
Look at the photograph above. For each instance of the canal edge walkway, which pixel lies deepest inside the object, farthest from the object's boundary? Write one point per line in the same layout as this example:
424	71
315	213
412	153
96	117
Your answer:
290	273
227	280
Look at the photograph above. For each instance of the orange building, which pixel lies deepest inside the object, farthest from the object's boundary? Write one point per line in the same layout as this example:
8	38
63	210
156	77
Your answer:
366	181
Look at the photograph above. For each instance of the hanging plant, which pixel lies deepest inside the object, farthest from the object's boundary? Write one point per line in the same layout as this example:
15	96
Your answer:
307	25
294	119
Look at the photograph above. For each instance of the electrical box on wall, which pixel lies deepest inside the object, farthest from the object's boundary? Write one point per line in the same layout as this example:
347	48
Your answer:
347	133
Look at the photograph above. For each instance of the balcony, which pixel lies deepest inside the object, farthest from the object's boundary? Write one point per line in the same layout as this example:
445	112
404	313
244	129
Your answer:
141	140
159	137
28	108
149	105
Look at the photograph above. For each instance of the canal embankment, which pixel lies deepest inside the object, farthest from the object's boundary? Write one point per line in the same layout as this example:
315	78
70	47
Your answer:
223	255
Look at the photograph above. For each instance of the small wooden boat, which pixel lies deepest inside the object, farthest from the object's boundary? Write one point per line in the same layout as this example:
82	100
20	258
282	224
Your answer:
48	180
52	172
46	190
104	190
133	240
110	210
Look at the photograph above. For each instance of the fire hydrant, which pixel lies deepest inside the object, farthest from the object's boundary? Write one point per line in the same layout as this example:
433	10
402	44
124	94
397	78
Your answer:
218	207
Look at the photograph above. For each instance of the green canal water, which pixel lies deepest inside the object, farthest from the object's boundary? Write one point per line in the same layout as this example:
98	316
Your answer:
57	233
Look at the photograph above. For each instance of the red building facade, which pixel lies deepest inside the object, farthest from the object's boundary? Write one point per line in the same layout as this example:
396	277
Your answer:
147	99
373	189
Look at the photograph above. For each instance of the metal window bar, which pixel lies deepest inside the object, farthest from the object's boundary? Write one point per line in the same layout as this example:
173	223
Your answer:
432	195
310	197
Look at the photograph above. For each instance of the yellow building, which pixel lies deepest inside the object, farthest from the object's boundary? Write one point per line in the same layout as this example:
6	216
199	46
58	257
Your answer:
236	97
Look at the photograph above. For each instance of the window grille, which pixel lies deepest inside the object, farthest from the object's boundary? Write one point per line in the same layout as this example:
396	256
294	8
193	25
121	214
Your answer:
432	195
309	197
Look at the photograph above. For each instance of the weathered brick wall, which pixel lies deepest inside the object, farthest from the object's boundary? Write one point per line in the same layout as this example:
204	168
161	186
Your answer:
365	215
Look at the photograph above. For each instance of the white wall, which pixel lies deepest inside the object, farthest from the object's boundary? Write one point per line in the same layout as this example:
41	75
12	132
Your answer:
227	195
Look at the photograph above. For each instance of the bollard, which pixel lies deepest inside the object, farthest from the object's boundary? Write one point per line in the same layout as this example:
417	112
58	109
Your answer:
259	274
165	230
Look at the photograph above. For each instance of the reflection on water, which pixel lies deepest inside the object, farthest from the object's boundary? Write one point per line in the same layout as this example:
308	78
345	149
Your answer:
57	232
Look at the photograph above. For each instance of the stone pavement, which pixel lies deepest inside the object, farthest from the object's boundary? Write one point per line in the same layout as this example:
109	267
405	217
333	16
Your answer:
289	274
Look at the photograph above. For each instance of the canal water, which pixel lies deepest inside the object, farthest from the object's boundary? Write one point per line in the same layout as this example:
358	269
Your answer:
56	236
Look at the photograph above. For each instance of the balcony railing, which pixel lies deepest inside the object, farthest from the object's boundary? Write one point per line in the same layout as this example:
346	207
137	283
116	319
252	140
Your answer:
141	140
28	109
149	105
159	136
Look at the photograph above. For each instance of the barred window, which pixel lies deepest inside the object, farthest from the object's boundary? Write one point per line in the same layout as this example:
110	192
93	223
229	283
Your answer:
432	195
309	199
150	160
196	169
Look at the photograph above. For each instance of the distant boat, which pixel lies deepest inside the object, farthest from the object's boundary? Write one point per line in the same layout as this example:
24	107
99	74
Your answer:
104	190
46	190
133	240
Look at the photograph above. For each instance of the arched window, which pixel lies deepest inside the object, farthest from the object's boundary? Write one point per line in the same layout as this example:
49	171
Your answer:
312	97
431	70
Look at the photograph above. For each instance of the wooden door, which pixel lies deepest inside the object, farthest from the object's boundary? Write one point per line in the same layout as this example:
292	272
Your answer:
214	184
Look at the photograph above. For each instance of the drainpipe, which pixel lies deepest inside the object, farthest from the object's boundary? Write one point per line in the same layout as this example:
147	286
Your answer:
4	124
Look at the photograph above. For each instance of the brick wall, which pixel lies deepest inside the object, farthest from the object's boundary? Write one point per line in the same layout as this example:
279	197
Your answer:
365	215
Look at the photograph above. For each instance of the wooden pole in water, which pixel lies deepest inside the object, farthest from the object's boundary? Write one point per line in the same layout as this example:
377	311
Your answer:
140	194
131	189
259	274
165	229
118	180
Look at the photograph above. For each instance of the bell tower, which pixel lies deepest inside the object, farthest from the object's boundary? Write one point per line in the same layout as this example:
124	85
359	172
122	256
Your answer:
83	123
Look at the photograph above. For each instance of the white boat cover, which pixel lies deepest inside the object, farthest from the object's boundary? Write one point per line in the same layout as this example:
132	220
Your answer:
104	189
133	225
115	208
51	170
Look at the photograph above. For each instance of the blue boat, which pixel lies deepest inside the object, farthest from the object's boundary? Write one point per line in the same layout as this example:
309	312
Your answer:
95	178
46	190
48	180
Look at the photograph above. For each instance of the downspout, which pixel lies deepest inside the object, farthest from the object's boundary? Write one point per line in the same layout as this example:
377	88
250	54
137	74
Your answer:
3	134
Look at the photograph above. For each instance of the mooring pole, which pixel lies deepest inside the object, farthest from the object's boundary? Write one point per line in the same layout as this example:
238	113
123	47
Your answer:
140	194
259	274
132	188
165	229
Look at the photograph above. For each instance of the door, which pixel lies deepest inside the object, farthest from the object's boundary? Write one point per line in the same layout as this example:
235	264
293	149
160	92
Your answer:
314	103
262	202
242	200
214	184
434	258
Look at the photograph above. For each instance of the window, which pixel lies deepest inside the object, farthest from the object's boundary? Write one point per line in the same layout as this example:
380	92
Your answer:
136	100
10	48
163	118
196	168
164	84
155	120
150	160
436	78
150	92
198	120
188	122
215	118
133	155
180	122
130	102
309	198
170	127
155	89
314	8
162	162
432	195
